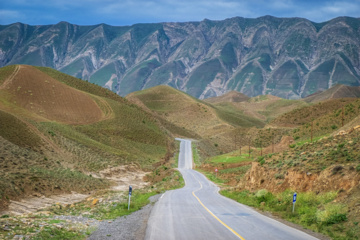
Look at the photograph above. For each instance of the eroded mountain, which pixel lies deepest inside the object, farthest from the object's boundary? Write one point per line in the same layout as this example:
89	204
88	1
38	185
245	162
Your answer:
286	57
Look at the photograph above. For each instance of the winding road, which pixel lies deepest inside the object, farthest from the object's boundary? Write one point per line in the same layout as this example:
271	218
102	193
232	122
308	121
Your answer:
198	211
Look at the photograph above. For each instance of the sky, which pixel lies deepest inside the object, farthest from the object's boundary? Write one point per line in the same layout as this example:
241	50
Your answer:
128	12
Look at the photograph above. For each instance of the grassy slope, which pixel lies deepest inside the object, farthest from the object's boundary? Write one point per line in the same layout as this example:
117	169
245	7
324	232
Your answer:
323	206
325	117
212	124
54	150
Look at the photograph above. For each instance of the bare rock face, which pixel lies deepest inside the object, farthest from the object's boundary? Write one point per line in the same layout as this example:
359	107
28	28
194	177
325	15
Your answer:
285	57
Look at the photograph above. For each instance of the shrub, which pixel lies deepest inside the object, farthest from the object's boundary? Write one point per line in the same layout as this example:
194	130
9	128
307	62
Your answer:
279	176
332	214
358	168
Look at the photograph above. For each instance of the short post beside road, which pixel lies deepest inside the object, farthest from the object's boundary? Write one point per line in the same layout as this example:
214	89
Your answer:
294	201
216	170
130	192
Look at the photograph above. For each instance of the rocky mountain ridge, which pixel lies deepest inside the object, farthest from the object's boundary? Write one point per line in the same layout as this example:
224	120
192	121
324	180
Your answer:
286	57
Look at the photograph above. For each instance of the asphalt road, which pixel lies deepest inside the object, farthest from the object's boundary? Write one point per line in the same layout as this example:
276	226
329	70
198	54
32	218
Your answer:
198	211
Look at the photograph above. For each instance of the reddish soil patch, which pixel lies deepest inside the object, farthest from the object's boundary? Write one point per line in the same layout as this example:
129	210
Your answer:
41	94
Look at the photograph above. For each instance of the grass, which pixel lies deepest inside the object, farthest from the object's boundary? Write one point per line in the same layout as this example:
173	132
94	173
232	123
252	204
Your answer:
138	201
230	158
54	150
43	227
317	212
5	72
196	155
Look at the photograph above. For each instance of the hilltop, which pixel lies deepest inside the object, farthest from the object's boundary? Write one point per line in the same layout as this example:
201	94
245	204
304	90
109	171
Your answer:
59	131
262	107
232	96
210	124
285	57
337	91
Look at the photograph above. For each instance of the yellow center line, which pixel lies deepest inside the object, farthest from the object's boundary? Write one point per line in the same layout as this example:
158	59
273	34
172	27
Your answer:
229	228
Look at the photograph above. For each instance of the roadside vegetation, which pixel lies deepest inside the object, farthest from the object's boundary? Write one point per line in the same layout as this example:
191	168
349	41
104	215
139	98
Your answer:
327	169
317	212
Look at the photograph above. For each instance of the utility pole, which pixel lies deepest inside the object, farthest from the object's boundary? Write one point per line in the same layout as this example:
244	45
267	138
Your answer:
249	145
272	136
342	116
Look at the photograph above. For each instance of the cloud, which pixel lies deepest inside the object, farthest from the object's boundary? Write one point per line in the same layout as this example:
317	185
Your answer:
126	12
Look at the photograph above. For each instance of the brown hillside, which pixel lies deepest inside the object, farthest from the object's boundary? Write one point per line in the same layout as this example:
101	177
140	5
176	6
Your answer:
39	93
231	96
338	91
307	114
264	107
181	110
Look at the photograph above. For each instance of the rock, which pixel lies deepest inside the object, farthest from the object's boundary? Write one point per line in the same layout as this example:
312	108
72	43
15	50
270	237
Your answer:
95	201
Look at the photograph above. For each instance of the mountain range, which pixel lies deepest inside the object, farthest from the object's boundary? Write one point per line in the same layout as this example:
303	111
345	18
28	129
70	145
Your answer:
286	57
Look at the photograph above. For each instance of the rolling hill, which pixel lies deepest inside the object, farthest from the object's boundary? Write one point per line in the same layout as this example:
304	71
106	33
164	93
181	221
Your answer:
337	91
262	107
232	96
213	126
56	130
190	113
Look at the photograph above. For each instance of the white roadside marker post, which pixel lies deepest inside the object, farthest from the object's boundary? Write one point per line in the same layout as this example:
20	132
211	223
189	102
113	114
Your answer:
294	201
130	191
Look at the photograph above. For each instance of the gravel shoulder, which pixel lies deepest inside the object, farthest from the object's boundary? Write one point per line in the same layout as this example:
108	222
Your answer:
132	227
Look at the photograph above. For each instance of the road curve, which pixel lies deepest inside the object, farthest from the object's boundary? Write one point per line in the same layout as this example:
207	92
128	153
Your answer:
198	211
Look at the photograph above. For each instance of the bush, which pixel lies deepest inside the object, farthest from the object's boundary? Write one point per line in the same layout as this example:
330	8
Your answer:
332	214
264	195
279	176
358	168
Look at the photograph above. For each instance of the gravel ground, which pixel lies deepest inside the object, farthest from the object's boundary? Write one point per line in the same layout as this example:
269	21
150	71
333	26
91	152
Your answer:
129	227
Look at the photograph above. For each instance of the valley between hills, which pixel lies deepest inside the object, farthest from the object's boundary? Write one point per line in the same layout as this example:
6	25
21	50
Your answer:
62	135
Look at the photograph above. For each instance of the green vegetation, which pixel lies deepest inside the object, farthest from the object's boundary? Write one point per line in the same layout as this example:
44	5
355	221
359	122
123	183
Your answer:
109	211
232	157
196	155
317	212
17	132
232	116
44	227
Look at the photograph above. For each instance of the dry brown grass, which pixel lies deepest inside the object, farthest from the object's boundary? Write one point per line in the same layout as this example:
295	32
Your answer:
53	136
40	94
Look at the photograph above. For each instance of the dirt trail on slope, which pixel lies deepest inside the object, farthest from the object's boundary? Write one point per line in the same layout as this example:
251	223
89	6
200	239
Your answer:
10	78
122	176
